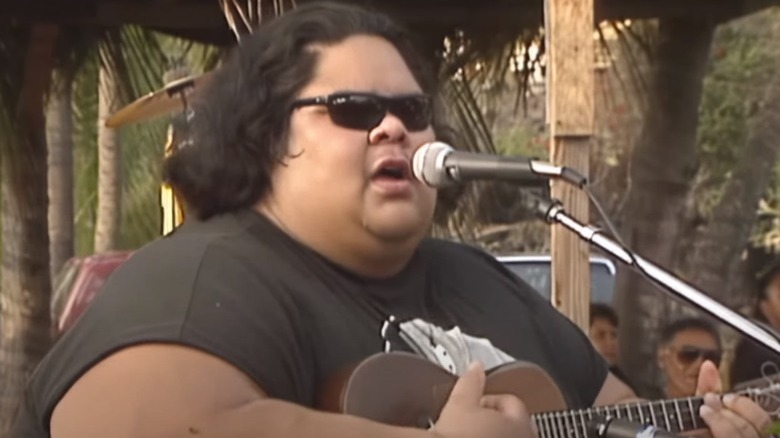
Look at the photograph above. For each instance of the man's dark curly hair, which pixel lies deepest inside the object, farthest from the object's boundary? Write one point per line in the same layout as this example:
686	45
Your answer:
242	117
603	311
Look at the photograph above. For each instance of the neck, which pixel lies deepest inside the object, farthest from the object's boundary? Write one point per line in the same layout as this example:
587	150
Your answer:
356	252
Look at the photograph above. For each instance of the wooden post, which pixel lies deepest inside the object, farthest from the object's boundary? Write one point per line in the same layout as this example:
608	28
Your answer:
570	88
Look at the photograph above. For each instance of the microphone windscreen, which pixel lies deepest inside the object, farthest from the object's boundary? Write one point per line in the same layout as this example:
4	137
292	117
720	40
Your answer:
428	164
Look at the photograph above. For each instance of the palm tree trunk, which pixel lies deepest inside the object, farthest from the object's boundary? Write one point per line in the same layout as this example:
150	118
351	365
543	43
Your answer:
59	133
661	174
25	293
109	164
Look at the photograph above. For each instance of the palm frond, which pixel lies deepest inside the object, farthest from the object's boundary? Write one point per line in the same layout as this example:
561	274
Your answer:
140	58
142	162
85	97
636	45
480	69
145	59
244	16
468	115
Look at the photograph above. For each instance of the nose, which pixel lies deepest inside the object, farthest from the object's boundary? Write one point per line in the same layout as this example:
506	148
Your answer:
390	130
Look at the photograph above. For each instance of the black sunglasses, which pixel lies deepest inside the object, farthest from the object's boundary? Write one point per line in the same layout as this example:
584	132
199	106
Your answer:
688	354
364	111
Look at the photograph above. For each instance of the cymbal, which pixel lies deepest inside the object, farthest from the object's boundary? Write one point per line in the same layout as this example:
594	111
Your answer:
160	102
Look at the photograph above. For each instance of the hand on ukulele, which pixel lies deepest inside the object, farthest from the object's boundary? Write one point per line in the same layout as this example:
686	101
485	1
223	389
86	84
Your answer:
734	416
471	414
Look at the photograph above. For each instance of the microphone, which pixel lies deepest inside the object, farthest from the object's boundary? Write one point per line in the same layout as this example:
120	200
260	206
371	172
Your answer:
621	428
438	165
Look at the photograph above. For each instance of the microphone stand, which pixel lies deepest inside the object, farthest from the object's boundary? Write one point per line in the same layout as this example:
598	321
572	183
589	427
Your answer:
551	210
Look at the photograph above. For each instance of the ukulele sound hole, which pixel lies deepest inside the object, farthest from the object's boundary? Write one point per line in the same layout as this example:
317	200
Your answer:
424	422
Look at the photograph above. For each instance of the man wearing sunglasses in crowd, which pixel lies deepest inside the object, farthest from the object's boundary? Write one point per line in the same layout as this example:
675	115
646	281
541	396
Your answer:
684	346
304	253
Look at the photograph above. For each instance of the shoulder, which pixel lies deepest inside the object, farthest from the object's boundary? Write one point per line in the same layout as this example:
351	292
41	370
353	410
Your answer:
458	253
461	260
467	268
187	244
152	297
222	243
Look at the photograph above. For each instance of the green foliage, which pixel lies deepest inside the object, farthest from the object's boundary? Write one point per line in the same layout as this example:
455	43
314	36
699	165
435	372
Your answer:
145	57
521	140
142	157
732	88
85	102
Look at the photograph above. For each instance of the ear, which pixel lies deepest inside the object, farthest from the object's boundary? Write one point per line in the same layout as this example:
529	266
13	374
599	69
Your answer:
661	357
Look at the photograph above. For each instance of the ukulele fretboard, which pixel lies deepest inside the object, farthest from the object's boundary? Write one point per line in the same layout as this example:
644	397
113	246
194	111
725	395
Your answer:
676	415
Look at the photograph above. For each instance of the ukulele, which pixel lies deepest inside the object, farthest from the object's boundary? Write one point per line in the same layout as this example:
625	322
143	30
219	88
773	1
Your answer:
407	390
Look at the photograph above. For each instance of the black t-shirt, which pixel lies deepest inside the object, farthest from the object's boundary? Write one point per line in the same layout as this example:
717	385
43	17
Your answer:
239	288
752	361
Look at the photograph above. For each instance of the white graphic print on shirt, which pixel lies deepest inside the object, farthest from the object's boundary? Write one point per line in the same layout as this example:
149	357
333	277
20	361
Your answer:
451	349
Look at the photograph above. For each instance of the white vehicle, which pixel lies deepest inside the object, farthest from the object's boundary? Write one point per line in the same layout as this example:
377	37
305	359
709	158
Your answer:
535	269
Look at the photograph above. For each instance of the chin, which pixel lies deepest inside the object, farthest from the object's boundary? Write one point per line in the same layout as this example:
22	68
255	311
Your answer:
398	222
397	229
395	233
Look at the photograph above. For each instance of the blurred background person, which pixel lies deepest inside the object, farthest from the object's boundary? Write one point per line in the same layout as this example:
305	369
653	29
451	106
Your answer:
603	335
684	346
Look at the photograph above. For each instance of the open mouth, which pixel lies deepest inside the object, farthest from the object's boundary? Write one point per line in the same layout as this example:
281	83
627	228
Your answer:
391	172
393	169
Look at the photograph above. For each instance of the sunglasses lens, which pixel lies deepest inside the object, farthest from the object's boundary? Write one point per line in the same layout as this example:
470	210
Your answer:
356	111
713	356
688	355
364	112
414	111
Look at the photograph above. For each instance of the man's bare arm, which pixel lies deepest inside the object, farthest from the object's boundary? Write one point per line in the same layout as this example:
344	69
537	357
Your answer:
159	390
274	418
613	392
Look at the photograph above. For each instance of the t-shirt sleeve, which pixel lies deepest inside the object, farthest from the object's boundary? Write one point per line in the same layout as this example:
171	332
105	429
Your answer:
244	315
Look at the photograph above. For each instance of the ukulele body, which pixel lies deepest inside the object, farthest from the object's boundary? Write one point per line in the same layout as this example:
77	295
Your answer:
407	390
